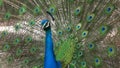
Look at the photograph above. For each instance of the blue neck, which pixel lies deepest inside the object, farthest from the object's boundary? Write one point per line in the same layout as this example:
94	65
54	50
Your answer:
50	61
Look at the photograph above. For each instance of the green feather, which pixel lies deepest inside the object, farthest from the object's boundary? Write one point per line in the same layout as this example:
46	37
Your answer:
17	27
7	16
6	47
10	59
35	67
103	29
25	61
90	1
80	53
109	9
32	23
28	39
19	52
83	64
69	28
37	10
78	45
52	9
4	33
78	26
1	2
72	66
97	61
111	51
84	34
22	10
91	46
71	36
16	41
78	11
90	17
76	39
33	50
60	32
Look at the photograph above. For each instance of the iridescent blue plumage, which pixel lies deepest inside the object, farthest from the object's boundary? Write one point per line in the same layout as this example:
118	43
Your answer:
49	59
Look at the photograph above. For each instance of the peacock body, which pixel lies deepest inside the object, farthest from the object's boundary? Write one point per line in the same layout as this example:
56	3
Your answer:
85	33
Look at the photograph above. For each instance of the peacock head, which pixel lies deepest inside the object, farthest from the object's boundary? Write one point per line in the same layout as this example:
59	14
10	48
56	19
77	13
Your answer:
45	24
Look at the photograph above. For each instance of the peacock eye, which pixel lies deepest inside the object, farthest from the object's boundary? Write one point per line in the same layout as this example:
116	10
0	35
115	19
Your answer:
90	17
84	33
109	9
97	61
91	45
110	49
69	28
78	26
60	32
77	10
80	54
25	61
103	29
32	23
6	47
22	10
7	16
36	10
83	64
52	9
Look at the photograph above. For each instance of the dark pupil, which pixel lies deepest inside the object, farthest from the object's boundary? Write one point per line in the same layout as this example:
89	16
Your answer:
108	9
25	61
83	63
18	51
80	53
90	45
32	22
68	28
36	10
4	33
16	40
16	27
28	39
9	59
90	17
33	49
84	34
78	26
59	32
97	60
52	9
111	50
7	16
103	29
6	47
21	9
78	10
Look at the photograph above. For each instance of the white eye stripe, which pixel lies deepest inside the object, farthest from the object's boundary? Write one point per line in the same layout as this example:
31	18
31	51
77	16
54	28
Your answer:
46	25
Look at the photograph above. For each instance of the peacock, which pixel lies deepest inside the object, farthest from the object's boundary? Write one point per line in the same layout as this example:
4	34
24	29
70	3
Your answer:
59	33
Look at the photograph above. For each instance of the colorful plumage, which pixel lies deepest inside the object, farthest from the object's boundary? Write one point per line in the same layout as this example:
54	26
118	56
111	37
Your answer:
85	33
